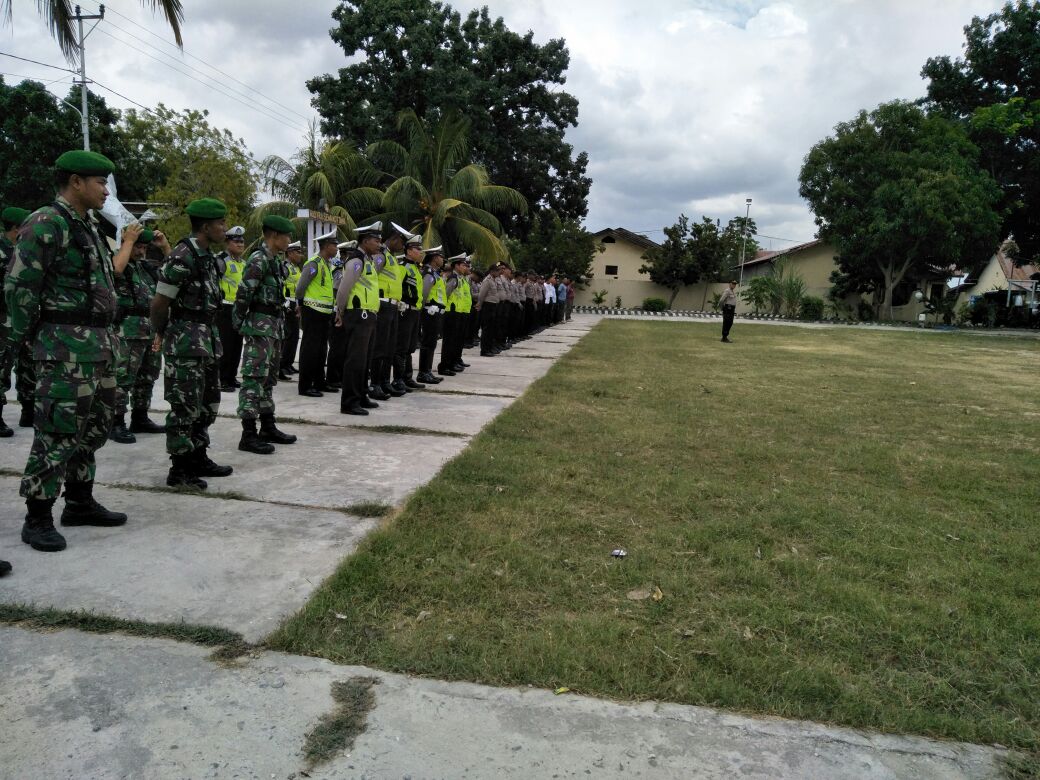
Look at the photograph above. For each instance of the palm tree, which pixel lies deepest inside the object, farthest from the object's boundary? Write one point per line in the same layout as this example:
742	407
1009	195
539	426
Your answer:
59	16
436	197
325	175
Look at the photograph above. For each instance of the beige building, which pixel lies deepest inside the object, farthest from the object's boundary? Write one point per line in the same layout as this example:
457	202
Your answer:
1000	274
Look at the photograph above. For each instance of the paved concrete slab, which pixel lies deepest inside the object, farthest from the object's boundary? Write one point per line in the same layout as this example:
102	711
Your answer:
106	706
236	564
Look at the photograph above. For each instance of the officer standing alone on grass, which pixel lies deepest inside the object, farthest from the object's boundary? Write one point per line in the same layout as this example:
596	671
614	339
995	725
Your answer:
728	303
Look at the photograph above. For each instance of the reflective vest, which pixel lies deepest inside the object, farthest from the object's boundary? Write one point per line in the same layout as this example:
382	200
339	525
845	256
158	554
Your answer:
438	291
292	278
319	295
464	296
411	269
366	288
391	277
232	278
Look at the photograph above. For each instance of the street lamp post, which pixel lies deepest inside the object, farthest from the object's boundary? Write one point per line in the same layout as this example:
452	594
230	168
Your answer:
743	244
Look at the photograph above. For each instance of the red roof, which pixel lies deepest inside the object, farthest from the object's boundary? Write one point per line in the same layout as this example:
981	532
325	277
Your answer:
763	256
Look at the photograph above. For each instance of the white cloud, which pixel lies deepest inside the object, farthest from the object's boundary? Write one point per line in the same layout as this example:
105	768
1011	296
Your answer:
686	105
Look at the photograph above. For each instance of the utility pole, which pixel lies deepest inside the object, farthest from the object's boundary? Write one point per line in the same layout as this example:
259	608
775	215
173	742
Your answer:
84	116
743	244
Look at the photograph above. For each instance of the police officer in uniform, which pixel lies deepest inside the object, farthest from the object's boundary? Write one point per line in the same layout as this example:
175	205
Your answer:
357	307
259	316
316	301
408	312
434	302
293	261
487	304
12	218
338	336
391	277
456	316
230	263
60	295
184	312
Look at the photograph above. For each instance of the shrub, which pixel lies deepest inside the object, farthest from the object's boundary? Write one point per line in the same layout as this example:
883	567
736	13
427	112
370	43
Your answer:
864	311
811	308
617	302
716	299
655	304
599	297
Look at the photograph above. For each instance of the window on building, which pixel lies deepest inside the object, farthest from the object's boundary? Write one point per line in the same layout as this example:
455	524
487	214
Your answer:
609	240
611	270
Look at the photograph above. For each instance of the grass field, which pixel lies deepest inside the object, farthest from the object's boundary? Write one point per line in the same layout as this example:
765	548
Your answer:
842	525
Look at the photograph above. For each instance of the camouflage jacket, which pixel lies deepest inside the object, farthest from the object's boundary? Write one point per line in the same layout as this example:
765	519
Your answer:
134	290
189	277
60	288
259	305
6	254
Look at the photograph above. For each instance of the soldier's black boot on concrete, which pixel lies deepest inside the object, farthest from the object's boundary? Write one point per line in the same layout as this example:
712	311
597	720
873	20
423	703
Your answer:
203	466
25	419
5	430
81	508
182	473
119	432
139	423
39	531
251	442
269	431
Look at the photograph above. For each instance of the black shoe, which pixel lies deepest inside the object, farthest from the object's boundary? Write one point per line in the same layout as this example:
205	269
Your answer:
182	474
446	372
202	466
292	370
392	391
312	393
428	378
331	387
284	376
488	354
369	404
726	340
119	432
355	409
377	392
25	419
44	538
5	430
462	363
90	512
251	441
399	387
5	568
139	423
269	432
227	388
412	384
236	384
458	368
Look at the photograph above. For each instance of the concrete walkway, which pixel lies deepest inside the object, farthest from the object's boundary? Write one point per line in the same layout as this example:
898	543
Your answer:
108	706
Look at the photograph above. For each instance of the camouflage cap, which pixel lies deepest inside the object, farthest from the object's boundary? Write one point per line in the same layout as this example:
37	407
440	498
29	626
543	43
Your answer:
278	224
85	163
13	215
206	208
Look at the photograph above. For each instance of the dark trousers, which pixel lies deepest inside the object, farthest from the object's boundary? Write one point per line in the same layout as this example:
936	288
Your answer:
727	320
528	316
431	330
472	327
488	330
406	343
359	328
451	345
385	343
231	340
337	354
314	347
291	340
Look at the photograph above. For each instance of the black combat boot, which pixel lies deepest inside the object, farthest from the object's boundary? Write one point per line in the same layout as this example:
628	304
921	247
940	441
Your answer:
25	419
203	466
81	508
251	441
5	429
182	473
39	531
269	431
119	432
139	423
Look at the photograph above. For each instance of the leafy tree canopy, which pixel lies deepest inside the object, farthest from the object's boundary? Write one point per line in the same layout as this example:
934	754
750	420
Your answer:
555	246
424	56
900	195
691	253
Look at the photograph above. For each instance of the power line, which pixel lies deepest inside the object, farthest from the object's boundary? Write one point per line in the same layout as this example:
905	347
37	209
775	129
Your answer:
263	111
35	62
204	62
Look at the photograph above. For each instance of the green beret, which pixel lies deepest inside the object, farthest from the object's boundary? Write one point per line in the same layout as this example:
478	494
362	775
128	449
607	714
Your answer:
278	224
13	215
146	237
85	163
206	208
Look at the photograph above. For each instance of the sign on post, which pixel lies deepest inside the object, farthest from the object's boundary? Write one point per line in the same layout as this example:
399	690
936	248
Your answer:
318	224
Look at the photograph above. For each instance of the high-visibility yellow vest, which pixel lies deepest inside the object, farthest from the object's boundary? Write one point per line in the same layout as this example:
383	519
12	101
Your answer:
232	278
438	292
292	278
366	288
391	277
416	274
463	297
319	295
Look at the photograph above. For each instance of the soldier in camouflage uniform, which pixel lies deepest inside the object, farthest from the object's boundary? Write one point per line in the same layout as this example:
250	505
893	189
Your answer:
60	294
12	218
151	363
259	316
184	312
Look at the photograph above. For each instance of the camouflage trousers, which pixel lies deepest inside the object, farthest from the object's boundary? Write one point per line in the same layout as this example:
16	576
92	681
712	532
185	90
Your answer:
74	403
147	376
193	393
24	371
131	358
260	358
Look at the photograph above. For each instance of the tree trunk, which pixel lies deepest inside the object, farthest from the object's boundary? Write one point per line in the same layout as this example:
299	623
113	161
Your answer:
892	279
675	294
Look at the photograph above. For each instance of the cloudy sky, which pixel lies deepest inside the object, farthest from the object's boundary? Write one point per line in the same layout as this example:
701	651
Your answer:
686	105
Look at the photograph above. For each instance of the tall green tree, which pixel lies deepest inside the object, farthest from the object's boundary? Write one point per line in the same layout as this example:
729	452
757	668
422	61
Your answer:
554	245
900	195
191	159
994	92
435	192
59	17
742	241
691	253
423	55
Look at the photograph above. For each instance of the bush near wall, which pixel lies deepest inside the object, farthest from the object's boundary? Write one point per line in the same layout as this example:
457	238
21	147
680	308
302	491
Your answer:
811	308
655	304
